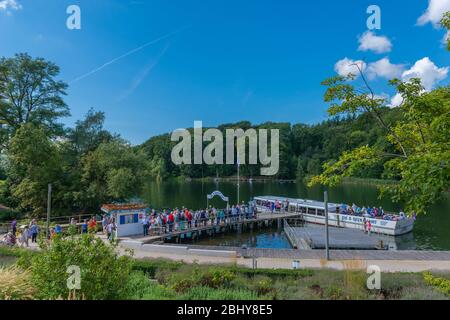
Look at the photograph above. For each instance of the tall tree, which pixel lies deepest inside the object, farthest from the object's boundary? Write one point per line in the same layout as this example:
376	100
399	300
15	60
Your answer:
89	133
112	172
29	93
417	153
34	161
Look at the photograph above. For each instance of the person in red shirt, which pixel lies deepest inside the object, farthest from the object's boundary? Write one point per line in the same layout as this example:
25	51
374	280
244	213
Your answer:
171	219
92	225
188	218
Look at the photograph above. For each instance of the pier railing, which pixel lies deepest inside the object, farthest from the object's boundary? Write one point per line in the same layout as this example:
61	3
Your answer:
291	235
296	241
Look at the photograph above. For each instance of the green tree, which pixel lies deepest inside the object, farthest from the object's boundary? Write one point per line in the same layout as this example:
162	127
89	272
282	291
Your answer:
112	172
418	143
89	133
300	174
34	162
29	93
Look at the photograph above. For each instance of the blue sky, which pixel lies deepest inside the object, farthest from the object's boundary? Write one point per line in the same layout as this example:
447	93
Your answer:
220	61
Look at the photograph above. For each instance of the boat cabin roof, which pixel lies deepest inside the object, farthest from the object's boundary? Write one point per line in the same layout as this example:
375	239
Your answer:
108	208
301	202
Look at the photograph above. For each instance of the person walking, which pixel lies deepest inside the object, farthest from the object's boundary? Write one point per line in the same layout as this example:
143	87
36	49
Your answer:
144	222
84	227
111	230
104	223
24	236
14	226
34	229
92	225
369	227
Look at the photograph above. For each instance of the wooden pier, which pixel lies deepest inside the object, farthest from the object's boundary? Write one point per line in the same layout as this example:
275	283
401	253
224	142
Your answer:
238	224
313	237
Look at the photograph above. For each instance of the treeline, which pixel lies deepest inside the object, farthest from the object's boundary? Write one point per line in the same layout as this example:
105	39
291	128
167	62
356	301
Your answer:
303	148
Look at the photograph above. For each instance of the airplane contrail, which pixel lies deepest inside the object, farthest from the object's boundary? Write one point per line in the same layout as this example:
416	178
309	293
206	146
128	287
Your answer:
143	74
127	54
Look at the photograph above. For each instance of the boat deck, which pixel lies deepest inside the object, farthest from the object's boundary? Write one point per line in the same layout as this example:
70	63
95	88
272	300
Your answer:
339	238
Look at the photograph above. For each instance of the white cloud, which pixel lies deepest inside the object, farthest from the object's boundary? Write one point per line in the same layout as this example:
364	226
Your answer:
345	66
396	100
427	71
370	41
385	69
8	5
434	12
445	38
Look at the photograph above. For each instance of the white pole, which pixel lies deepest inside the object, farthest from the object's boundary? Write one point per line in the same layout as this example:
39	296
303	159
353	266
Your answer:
238	180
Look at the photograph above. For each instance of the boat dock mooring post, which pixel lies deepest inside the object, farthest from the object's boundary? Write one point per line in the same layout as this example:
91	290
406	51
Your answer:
327	247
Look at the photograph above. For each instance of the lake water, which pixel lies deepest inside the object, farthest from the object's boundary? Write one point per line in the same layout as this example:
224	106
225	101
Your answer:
431	231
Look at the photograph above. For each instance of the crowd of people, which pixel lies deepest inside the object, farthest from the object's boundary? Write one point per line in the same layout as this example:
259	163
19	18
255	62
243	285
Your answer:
23	234
370	212
166	221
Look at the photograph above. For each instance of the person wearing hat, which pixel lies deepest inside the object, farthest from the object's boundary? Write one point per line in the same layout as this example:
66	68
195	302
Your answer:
24	236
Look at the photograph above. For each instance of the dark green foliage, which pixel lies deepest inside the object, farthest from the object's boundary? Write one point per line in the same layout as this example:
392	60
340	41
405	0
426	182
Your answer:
302	147
102	271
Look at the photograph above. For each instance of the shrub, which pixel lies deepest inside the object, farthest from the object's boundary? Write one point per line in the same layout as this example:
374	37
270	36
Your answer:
139	286
265	287
442	284
217	277
151	266
206	293
280	273
15	284
333	292
103	272
158	292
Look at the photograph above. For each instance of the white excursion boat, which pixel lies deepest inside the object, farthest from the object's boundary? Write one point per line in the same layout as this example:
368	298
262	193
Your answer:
314	212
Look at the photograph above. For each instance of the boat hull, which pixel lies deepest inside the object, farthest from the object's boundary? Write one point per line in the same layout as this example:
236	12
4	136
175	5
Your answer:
387	227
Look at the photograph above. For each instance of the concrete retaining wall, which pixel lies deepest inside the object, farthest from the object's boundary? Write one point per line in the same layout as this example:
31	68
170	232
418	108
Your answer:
167	249
164	248
213	253
131	244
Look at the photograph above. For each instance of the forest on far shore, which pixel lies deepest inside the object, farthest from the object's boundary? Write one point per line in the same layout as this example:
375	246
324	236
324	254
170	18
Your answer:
303	148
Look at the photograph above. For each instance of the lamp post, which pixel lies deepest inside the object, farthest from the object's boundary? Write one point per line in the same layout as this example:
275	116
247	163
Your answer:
49	205
327	247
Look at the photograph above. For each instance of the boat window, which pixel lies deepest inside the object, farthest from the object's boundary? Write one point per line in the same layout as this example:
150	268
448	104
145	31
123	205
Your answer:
320	212
292	208
311	211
